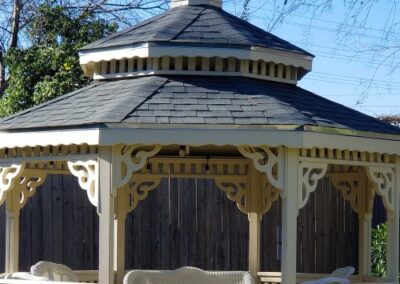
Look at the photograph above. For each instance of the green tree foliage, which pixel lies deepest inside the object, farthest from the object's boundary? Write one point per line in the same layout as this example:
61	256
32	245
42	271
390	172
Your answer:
50	66
379	250
392	119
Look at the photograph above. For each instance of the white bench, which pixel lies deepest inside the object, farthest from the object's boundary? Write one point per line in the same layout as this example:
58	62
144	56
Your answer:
187	275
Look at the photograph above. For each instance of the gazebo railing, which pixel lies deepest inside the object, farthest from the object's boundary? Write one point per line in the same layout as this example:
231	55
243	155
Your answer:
276	278
91	276
88	276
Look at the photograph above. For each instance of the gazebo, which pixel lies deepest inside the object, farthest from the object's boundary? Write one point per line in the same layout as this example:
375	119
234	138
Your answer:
197	92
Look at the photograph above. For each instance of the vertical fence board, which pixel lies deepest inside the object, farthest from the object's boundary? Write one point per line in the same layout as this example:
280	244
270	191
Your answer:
164	223
333	205
184	203
78	235
89	213
327	226
175	236
210	226
57	226
68	219
201	223
25	252
42	222
41	247
227	217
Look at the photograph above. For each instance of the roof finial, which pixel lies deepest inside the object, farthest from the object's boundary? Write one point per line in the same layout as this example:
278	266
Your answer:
178	3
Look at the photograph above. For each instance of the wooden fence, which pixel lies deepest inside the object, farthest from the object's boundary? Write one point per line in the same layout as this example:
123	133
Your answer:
184	222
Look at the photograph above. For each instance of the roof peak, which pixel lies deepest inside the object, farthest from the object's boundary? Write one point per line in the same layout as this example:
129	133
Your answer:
179	3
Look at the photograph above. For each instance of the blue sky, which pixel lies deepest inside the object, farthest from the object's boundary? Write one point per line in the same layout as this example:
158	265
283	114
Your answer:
344	66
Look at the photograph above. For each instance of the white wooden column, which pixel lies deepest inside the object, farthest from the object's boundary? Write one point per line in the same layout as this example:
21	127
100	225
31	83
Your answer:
12	230
393	232
364	259
119	245
364	230
106	215
254	222
289	217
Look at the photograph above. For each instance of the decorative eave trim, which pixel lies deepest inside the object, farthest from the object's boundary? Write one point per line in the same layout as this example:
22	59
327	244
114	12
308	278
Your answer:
49	138
192	73
291	137
89	57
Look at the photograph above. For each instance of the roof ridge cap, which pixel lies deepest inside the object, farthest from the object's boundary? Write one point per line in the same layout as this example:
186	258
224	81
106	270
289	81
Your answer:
189	24
128	29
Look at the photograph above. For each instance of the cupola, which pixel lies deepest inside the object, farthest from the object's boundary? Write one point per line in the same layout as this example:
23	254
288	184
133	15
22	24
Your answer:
196	38
179	3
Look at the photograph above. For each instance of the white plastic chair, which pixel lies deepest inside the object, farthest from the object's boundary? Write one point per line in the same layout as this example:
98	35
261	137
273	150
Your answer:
24	276
187	275
340	275
54	272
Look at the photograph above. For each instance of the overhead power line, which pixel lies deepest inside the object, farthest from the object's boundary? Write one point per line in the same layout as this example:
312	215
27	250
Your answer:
337	23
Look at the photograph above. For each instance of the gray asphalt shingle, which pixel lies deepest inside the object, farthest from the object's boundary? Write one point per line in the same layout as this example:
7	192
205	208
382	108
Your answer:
237	101
195	25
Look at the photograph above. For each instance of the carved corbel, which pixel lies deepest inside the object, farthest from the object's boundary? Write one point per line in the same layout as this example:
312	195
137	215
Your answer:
267	161
269	195
309	175
87	173
370	193
235	191
8	177
348	184
139	188
28	185
126	162
383	179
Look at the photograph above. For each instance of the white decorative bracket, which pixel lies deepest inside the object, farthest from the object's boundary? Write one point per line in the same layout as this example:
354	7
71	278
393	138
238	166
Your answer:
87	173
267	161
383	179
309	175
8	177
28	185
126	162
138	189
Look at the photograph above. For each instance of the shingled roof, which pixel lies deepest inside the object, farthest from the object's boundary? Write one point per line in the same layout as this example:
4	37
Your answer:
206	25
194	100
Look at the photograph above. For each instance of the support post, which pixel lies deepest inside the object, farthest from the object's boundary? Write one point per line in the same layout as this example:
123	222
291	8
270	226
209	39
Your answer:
106	215
12	229
364	247
289	216
393	231
364	229
254	221
119	239
254	243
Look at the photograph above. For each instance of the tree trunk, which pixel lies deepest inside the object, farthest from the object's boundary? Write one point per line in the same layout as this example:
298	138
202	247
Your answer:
15	23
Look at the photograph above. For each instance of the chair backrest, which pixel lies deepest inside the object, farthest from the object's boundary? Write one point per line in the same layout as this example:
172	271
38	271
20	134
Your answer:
54	271
344	272
187	275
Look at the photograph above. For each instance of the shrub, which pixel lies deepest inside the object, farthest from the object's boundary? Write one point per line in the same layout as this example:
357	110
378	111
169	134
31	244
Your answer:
379	250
